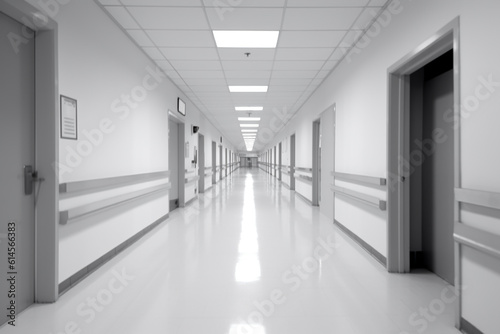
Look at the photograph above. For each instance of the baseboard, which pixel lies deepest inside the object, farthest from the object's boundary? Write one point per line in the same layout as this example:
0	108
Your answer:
76	278
468	328
191	200
303	198
372	251
173	204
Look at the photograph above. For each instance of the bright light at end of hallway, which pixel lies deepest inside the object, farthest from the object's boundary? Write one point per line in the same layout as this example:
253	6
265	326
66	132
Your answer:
245	328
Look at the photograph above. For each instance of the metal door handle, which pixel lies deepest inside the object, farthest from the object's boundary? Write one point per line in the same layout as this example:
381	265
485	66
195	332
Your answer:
30	176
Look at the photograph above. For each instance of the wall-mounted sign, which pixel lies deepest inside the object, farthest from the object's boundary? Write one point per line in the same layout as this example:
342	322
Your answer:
69	118
181	106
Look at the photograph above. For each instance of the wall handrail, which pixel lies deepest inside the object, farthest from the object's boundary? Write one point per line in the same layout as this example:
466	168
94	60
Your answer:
191	179
79	203
76	186
360	178
478	197
480	240
366	199
303	169
304	178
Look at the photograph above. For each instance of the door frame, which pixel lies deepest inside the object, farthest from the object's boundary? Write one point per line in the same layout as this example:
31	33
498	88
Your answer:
201	163
292	162
316	167
279	161
214	162
46	148
398	222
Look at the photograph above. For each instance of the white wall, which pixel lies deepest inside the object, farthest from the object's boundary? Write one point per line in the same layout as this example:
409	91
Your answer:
100	68
359	89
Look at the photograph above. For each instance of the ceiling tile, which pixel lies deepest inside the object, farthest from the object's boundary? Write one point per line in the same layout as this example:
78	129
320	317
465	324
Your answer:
165	65
202	74
169	3
110	2
351	37
339	53
320	18
205	88
327	3
366	18
245	19
239	54
303	53
181	38
379	3
329	65
323	74
231	5
234	65
248	81
306	39
248	74
154	53
298	65
296	88
205	81
140	37
190	53
282	81
295	74
172	74
192	65
177	18
122	16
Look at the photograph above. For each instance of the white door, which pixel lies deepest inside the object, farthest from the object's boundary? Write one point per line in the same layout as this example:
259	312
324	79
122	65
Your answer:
17	149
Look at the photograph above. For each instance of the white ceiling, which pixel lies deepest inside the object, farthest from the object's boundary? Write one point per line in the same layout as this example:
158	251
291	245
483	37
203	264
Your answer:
177	35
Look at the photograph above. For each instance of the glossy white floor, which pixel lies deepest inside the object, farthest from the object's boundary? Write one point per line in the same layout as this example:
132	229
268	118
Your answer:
248	257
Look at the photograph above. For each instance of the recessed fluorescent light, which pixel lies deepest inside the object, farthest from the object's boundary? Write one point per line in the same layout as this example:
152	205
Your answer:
249	108
249	130
246	39
248	89
249	119
254	137
249	125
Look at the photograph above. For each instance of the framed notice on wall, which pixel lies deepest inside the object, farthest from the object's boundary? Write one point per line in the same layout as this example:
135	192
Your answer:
181	106
69	118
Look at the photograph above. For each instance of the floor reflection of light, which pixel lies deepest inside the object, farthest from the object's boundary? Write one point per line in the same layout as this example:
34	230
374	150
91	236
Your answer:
246	328
248	266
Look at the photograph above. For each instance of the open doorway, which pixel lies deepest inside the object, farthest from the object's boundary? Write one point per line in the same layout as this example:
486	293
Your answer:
423	157
176	162
430	154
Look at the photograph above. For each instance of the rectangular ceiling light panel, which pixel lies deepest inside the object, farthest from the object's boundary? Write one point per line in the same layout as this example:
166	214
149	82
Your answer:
248	89
248	119
249	108
246	39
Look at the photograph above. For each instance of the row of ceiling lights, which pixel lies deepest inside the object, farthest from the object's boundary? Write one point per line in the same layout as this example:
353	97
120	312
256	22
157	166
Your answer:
247	39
